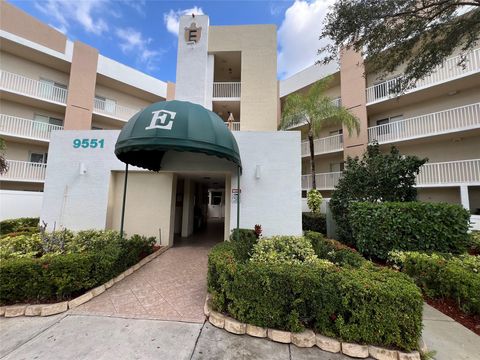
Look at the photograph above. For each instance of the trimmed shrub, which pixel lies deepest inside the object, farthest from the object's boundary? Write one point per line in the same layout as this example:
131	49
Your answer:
444	276
243	243
334	251
474	243
314	222
379	228
375	306
19	225
284	250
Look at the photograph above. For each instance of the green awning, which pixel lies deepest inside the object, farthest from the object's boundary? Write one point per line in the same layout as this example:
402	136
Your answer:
174	125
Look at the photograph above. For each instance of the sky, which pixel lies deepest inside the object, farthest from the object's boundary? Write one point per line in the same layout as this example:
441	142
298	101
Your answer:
143	34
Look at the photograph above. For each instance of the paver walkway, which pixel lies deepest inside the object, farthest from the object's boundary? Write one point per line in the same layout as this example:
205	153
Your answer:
173	286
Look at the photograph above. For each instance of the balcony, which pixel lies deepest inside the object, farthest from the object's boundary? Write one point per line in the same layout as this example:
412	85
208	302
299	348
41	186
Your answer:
326	145
33	88
235	125
462	172
26	128
227	91
325	181
335	102
448	71
24	171
442	122
113	110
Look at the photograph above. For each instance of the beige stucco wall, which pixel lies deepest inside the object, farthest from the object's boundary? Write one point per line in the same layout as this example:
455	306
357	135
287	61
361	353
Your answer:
25	111
322	163
146	211
259	94
21	66
450	195
443	102
120	97
21	151
18	22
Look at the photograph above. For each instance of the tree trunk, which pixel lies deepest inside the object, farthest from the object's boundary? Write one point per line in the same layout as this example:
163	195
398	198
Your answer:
312	159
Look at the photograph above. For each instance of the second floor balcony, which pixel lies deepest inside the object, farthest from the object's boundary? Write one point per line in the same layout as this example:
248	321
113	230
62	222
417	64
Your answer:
26	128
227	91
110	108
38	89
437	123
448	71
24	171
326	145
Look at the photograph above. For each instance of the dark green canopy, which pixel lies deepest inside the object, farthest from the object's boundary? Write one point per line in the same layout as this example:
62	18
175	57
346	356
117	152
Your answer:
174	125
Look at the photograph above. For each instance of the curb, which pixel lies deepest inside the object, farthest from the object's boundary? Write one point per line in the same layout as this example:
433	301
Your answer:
60	307
307	339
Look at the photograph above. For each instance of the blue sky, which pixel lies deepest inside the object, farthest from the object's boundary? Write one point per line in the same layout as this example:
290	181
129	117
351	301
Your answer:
142	33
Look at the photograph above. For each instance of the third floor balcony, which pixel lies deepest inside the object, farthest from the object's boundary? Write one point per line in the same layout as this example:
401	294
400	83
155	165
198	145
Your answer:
448	71
111	109
25	128
325	145
227	91
442	122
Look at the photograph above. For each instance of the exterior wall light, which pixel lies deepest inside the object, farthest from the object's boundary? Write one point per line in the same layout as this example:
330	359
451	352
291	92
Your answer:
83	169
258	172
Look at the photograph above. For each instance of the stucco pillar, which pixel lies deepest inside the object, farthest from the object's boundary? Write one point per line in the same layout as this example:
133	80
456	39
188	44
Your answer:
170	91
353	87
81	88
187	211
464	198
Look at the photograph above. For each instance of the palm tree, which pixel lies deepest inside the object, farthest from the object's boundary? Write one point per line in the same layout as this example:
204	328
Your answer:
316	110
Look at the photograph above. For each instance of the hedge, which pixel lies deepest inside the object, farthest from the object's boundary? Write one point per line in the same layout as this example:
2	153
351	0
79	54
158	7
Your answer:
20	225
408	226
444	276
59	276
243	242
314	222
360	305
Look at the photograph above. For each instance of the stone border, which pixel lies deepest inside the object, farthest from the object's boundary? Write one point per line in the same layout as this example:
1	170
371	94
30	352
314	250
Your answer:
307	339
57	308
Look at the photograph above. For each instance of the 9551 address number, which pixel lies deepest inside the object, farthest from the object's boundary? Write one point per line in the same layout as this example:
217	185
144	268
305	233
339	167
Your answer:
88	143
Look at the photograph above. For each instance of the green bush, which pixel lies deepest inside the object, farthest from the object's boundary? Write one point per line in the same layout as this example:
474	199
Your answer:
19	225
334	250
314	200
86	260
379	228
314	222
375	306
284	250
474	243
243	241
444	276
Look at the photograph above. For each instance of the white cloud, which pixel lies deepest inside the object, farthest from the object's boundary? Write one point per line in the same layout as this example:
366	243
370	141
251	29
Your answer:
171	19
86	13
133	42
298	36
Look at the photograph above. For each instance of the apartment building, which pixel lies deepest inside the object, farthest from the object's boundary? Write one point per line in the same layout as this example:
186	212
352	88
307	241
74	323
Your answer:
439	118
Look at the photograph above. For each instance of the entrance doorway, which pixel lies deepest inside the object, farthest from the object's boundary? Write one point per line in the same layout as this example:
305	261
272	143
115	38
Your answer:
199	209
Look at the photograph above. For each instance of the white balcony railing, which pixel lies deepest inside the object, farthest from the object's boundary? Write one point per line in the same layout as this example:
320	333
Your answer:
25	128
449	70
325	181
337	102
34	88
112	109
450	173
441	122
24	171
324	145
227	90
235	125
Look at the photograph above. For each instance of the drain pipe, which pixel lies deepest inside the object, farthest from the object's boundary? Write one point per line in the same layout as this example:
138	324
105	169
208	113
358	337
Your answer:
124	200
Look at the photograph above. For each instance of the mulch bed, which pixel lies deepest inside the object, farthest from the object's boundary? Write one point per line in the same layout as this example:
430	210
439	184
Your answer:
450	308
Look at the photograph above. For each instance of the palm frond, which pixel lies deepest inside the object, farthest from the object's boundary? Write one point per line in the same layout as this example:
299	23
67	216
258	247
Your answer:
293	111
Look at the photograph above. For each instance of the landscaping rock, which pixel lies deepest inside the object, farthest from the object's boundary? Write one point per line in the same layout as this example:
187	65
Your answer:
328	344
53	309
355	350
382	354
206	308
109	284
15	310
119	278
280	336
304	339
217	319
256	331
422	346
409	356
235	327
98	290
34	310
72	304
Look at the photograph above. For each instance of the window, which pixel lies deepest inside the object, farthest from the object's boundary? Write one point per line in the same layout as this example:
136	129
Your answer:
105	104
216	198
304	194
96	128
48	120
337	167
386	129
337	132
40	158
49	89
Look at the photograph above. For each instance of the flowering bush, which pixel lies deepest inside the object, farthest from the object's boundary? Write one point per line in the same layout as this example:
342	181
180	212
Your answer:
314	200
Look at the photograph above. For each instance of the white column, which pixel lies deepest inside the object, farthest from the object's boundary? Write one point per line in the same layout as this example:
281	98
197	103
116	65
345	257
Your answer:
464	197
187	211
